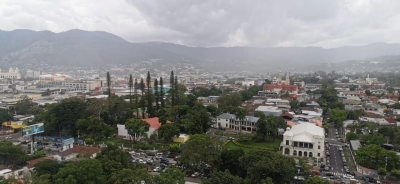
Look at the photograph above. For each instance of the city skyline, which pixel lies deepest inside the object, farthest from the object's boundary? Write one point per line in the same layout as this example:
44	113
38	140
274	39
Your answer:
325	24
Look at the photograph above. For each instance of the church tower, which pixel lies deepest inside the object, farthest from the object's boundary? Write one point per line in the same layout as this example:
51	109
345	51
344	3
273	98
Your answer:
280	77
287	80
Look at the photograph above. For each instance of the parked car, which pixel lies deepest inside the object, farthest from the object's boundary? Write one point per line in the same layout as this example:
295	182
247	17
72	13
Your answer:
196	174
231	138
326	168
348	176
159	156
177	158
157	169
351	173
329	174
316	172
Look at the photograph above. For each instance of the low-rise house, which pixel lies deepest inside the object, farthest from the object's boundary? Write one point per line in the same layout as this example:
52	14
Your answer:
154	126
304	140
269	110
77	151
350	100
230	121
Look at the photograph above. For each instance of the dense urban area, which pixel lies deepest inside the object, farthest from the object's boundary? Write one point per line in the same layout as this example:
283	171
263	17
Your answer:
181	124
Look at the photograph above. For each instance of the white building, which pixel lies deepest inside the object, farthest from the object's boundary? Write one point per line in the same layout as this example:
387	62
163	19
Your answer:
12	74
305	140
32	73
153	122
230	121
76	86
269	110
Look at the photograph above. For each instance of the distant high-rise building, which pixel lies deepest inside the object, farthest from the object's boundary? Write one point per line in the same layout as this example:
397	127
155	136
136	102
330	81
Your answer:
32	74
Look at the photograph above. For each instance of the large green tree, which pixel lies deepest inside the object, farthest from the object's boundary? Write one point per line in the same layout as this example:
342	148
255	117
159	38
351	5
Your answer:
61	117
351	136
172	175
259	164
168	131
229	102
199	149
11	154
137	128
222	178
229	160
373	156
86	171
130	176
48	167
23	105
316	180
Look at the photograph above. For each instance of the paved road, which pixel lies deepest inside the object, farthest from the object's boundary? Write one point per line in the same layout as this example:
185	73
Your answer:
331	137
14	137
212	131
335	160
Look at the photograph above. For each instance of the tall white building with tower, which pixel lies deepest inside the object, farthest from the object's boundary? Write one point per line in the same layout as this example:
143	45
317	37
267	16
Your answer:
11	74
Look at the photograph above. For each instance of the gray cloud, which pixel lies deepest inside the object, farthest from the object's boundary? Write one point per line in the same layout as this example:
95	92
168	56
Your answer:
259	23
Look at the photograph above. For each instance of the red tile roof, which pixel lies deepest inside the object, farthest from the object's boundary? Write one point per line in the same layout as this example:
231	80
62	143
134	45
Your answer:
390	120
153	122
86	150
80	150
282	87
32	163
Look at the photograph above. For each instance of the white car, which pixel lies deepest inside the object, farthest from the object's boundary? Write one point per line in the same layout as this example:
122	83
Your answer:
132	152
8	137
348	176
157	169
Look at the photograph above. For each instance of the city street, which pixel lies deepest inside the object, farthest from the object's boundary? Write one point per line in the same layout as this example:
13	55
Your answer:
331	137
335	160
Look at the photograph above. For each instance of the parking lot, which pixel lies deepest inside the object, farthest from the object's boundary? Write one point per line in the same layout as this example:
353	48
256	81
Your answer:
156	161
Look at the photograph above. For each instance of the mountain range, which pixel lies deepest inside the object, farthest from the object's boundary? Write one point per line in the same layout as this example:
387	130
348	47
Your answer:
86	48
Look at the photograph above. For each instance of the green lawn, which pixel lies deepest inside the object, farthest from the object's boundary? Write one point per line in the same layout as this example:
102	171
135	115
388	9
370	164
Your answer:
231	145
267	144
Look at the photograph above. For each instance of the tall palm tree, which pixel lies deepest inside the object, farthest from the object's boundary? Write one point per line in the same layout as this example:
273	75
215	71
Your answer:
136	87
109	84
240	114
142	100
171	89
157	94
130	90
162	92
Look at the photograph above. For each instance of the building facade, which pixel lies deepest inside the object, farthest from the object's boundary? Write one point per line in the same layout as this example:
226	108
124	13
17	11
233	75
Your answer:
229	121
11	74
304	140
76	86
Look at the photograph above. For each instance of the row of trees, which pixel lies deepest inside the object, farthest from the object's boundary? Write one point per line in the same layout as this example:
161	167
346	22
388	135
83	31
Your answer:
234	165
112	165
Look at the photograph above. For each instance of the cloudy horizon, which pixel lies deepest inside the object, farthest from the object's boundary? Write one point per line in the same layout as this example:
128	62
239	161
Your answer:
208	23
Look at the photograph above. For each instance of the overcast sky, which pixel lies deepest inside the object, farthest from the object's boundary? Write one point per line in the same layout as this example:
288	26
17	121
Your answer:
258	23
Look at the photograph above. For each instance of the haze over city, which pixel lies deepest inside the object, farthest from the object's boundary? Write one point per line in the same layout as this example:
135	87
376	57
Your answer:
208	23
200	92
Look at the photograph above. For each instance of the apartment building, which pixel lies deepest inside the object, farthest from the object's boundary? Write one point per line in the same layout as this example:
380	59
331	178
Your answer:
230	121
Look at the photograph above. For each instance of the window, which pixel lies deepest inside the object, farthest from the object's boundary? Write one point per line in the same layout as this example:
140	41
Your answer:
319	154
301	144
296	144
319	147
287	142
